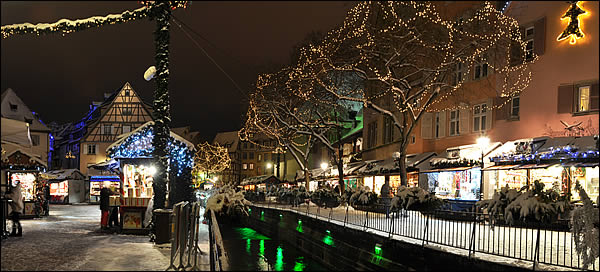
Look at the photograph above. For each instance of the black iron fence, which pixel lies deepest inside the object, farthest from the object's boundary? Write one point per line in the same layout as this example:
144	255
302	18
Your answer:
468	230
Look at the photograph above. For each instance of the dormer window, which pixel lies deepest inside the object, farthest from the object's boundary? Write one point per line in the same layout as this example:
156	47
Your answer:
13	107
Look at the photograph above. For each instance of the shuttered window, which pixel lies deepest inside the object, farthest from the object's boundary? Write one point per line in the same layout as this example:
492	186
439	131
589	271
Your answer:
479	117
454	122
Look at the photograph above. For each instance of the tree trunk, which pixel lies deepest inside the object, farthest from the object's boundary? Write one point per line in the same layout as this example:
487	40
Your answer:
307	179
340	165
402	164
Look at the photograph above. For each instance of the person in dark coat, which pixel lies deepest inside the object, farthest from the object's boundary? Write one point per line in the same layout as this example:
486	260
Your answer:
46	199
16	207
104	206
113	218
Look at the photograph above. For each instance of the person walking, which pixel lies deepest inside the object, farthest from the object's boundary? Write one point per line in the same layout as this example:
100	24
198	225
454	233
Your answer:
46	199
113	218
16	206
104	206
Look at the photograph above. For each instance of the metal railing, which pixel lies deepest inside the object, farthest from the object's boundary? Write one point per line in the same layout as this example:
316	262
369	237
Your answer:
469	230
184	241
218	257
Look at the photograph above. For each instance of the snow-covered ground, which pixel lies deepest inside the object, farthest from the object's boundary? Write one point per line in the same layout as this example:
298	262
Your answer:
70	239
515	245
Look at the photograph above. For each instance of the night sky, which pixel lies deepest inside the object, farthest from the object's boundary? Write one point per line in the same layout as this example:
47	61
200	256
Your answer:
58	77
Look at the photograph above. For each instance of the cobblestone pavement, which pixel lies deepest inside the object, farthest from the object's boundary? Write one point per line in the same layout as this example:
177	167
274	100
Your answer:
70	239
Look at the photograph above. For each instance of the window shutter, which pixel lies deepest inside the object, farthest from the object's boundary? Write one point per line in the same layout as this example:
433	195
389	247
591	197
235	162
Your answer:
85	149
488	114
566	97
464	121
426	126
594	97
516	51
539	28
443	123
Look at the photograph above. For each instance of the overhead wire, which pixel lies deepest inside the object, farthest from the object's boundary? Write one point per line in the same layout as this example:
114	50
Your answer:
238	88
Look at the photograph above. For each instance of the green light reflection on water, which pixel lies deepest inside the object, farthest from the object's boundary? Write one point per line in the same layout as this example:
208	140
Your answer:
279	261
299	266
248	233
299	227
262	216
262	247
328	240
248	244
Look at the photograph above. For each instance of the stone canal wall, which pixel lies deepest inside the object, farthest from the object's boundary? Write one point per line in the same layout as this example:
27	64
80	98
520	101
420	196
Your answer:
345	248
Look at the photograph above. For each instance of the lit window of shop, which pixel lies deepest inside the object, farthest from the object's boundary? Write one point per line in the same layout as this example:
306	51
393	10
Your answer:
588	179
583	99
245	166
554	178
137	181
461	185
251	166
479	117
412	179
368	182
514	179
378	183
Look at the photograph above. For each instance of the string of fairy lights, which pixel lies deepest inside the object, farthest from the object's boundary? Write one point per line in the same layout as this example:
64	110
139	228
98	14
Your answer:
211	158
139	145
378	40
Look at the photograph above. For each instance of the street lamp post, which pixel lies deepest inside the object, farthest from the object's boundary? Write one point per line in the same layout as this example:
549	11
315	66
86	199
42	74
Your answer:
483	142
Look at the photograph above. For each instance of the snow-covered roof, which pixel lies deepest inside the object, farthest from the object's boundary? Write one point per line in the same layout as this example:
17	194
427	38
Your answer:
63	174
390	166
10	100
32	157
259	180
465	152
121	138
227	139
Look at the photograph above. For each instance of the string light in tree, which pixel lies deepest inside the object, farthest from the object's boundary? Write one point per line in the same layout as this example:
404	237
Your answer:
211	159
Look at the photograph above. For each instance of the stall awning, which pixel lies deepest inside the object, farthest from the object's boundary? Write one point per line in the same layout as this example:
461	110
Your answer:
533	166
59	175
501	167
448	169
260	179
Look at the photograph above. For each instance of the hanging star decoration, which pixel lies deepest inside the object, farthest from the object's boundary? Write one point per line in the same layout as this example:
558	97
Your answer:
573	30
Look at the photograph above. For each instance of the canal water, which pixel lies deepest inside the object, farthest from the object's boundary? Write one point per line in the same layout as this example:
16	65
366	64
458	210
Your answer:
250	250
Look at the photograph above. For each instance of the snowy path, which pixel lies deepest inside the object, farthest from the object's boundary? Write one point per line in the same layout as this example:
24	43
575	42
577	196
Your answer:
512	242
69	239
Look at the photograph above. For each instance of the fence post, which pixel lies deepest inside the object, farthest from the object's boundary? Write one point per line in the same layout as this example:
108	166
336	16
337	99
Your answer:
196	237
190	234
346	215
472	242
425	240
391	225
366	220
329	218
536	256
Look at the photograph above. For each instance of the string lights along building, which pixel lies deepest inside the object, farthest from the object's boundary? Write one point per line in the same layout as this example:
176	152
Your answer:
83	143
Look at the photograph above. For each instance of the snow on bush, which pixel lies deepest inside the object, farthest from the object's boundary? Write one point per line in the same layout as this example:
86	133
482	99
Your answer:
416	199
325	197
226	201
535	206
585	228
363	196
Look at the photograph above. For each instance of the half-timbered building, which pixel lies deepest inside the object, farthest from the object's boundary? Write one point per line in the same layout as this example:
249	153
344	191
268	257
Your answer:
84	143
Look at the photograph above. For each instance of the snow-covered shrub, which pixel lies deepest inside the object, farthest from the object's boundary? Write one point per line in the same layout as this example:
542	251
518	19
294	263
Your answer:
363	196
345	198
497	205
226	201
585	228
536	205
416	199
325	197
285	195
300	194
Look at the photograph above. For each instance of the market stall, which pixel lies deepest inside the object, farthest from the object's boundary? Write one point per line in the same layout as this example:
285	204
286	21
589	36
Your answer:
455	175
66	186
558	163
97	183
133	152
259	183
28	179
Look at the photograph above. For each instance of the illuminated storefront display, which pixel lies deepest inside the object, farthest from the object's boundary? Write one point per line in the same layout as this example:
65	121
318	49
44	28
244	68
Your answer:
554	178
97	182
27	184
458	185
137	181
588	179
513	178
